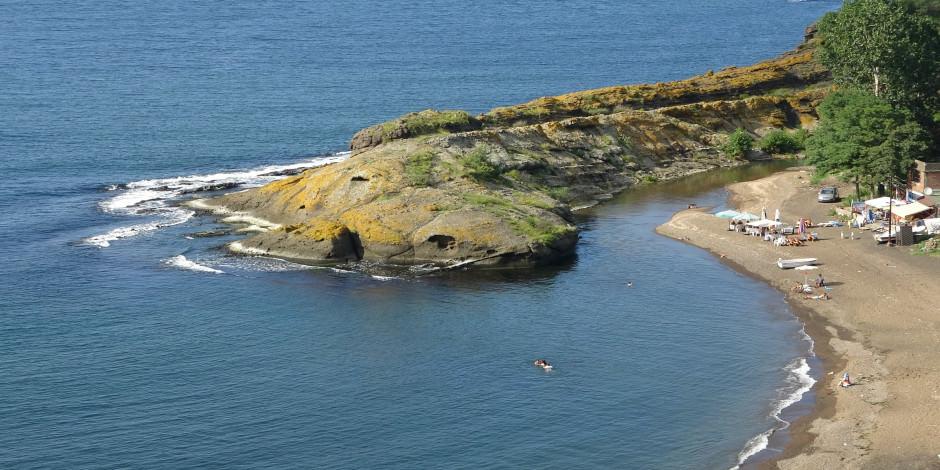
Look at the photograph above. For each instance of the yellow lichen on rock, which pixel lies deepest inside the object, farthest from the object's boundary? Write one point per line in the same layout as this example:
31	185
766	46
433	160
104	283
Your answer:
503	191
318	229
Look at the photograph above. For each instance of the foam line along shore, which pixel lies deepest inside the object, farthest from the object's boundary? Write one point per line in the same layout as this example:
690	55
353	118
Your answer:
884	339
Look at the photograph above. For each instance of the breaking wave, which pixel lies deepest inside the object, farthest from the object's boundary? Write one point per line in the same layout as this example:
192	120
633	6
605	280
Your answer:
798	382
180	261
158	198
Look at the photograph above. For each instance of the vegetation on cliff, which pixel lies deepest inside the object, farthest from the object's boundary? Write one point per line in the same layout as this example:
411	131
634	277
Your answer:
498	188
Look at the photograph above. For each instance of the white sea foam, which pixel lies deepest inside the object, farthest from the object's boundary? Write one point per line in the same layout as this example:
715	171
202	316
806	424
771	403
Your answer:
799	381
158	198
173	216
237	247
251	221
180	261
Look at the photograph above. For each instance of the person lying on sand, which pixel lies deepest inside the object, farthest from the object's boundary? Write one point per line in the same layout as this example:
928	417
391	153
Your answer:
823	296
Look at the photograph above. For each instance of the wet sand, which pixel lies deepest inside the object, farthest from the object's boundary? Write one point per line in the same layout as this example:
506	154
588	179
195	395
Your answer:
882	325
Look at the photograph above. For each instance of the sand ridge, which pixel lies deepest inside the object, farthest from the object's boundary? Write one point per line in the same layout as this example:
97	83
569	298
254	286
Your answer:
882	325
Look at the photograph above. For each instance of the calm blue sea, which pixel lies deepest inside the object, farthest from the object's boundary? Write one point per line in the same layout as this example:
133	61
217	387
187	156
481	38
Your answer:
125	343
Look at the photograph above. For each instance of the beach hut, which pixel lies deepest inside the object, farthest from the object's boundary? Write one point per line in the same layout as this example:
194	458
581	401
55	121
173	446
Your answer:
910	211
882	203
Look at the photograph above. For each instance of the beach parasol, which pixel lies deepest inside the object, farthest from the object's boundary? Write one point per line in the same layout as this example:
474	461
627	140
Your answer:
805	268
777	215
746	216
763	213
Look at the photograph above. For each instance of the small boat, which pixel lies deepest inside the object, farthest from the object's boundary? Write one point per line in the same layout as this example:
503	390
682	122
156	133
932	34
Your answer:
795	262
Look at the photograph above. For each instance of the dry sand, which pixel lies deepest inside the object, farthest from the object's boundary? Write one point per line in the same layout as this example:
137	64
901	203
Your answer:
882	325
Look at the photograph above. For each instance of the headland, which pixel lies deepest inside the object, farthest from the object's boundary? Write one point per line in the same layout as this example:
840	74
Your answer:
449	188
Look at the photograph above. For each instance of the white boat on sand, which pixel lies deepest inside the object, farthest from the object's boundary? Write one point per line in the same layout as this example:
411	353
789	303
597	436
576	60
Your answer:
792	263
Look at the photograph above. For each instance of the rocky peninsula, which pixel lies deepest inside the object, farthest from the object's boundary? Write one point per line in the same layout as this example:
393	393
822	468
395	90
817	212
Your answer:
499	188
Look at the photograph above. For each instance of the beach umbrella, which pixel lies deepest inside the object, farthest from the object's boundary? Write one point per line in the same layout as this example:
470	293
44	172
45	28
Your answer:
763	213
777	215
746	216
805	268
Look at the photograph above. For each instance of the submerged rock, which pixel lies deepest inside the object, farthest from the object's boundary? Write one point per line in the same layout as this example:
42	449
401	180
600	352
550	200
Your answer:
210	233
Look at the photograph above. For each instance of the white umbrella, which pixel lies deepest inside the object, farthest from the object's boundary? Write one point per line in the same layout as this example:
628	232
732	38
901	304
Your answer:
777	215
763	212
805	268
746	216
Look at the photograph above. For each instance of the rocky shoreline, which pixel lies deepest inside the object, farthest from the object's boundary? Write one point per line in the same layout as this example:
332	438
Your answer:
498	189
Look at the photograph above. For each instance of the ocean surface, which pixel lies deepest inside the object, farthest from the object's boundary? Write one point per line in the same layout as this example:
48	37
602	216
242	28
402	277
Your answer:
127	343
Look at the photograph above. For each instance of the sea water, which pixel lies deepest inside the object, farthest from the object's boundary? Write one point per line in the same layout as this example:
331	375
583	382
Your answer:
126	341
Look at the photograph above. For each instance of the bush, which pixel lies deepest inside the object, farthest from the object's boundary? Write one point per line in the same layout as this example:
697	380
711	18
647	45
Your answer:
739	144
477	166
780	142
560	193
418	168
428	121
541	231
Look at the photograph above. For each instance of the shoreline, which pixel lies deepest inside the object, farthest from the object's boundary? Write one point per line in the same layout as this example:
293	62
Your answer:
795	437
890	417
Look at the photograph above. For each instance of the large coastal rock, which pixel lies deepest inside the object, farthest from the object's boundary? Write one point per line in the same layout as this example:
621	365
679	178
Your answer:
447	187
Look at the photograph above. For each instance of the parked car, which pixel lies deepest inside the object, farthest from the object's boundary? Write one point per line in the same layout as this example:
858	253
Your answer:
828	194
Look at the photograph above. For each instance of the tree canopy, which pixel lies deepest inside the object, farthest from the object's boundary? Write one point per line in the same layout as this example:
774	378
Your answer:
886	47
865	138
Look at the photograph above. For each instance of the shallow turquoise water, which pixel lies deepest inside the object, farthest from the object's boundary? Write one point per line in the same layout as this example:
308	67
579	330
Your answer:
116	356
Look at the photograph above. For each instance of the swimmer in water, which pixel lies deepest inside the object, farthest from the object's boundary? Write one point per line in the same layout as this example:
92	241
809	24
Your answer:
629	283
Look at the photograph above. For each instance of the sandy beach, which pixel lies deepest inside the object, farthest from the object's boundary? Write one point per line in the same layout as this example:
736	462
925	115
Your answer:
882	325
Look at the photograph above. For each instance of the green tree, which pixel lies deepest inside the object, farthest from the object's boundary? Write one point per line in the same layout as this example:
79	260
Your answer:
865	139
885	47
739	144
780	141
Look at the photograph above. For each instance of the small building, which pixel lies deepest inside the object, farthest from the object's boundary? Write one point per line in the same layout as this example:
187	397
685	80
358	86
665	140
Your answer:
924	175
